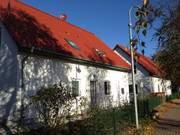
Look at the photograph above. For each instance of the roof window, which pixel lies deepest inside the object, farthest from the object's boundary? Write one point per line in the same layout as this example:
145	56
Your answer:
100	53
72	44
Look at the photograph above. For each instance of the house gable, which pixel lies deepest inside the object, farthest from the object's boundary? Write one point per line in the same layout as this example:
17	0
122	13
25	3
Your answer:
140	69
144	62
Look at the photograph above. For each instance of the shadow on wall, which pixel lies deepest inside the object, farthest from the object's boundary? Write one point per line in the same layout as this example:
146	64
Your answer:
146	87
26	31
42	72
8	83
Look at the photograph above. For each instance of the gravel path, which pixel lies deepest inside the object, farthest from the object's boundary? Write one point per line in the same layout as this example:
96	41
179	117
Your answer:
170	123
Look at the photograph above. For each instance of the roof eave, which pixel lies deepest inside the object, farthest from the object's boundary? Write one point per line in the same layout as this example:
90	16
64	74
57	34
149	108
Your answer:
72	59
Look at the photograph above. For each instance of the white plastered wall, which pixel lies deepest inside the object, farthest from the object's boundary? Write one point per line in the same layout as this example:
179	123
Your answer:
161	85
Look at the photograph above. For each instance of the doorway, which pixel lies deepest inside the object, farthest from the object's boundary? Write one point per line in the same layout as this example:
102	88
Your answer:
93	92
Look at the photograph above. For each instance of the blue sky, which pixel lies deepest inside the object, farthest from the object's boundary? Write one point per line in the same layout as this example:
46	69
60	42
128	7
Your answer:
107	19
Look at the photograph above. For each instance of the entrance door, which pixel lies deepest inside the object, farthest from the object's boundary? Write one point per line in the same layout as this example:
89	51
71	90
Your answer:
93	91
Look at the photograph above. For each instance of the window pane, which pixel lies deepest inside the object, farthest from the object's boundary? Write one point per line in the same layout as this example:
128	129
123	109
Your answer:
72	44
122	90
107	87
75	88
135	68
131	89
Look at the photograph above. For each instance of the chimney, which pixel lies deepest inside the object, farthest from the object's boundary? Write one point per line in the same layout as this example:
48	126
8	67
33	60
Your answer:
63	17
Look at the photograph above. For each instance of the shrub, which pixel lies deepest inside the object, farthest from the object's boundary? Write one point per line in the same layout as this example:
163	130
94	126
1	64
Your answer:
53	105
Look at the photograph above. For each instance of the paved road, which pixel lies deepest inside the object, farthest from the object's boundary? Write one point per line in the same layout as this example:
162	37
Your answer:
170	123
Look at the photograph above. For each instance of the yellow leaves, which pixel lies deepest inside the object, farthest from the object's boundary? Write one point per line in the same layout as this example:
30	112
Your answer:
145	2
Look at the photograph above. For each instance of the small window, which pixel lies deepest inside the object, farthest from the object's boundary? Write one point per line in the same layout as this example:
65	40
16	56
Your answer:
107	87
135	68
158	88
72	44
100	53
122	91
75	88
0	36
131	89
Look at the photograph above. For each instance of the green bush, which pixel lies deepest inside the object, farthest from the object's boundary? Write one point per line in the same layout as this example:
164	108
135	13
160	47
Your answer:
53	105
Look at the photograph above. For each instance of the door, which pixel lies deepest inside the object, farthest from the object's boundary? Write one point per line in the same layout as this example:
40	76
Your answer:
93	92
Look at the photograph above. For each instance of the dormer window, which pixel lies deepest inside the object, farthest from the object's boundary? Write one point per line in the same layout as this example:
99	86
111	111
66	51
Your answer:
100	53
72	44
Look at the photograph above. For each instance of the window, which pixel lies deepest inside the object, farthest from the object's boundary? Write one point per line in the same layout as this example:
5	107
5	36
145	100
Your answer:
72	44
122	91
75	88
135	68
100	53
0	37
107	87
131	89
158	88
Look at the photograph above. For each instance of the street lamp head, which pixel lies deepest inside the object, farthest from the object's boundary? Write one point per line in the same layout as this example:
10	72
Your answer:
145	2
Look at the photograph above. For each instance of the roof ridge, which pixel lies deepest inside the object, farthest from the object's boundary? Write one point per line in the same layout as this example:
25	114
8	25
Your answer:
30	6
80	28
55	17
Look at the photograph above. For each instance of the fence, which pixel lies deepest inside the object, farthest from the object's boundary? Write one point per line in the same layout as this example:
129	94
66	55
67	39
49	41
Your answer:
173	96
112	121
109	121
146	106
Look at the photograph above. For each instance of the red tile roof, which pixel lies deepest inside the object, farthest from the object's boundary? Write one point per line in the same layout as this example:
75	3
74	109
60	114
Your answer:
144	61
32	27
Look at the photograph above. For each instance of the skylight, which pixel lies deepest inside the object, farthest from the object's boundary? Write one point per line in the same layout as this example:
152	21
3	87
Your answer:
100	53
72	44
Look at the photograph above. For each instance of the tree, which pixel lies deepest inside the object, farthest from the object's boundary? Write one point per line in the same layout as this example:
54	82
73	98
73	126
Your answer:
168	35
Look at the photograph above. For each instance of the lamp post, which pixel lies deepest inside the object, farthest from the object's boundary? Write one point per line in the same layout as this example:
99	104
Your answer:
145	3
132	67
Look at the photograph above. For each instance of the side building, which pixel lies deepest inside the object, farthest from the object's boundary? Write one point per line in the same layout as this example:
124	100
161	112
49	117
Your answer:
147	74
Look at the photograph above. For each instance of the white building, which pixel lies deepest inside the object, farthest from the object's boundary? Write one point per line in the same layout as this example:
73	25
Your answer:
148	75
37	50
